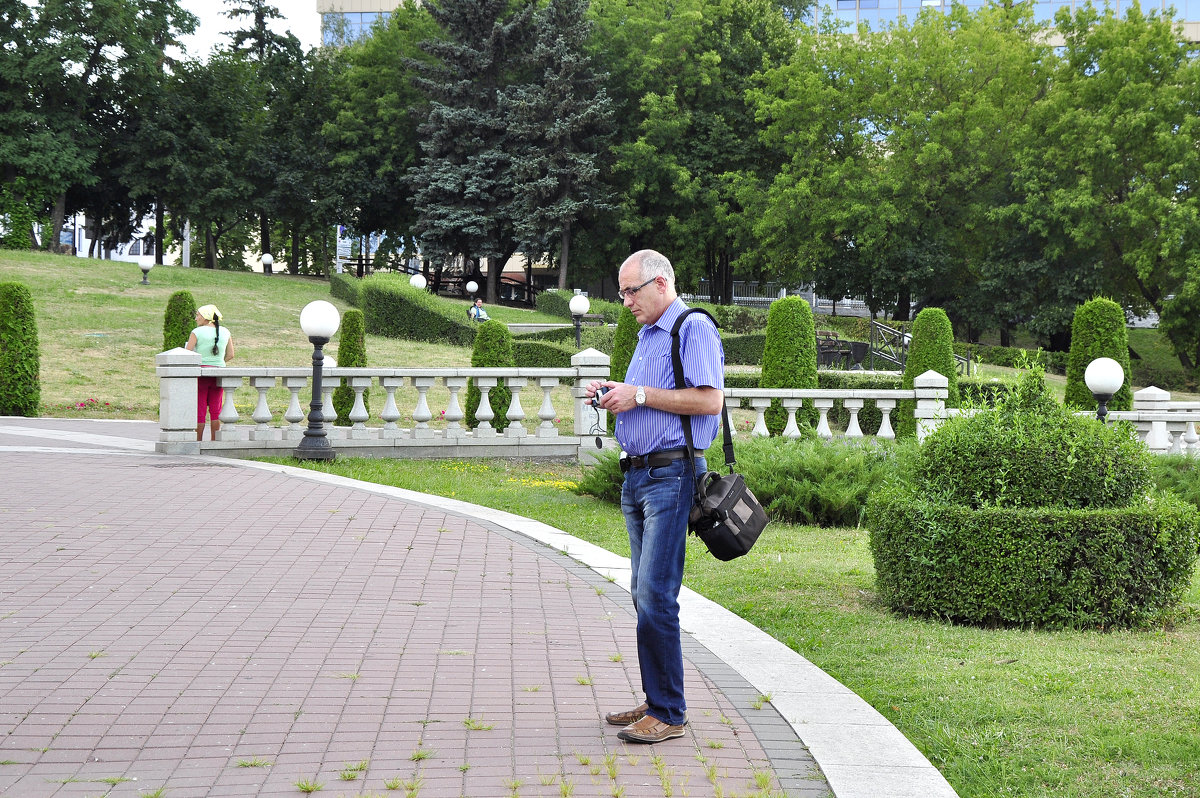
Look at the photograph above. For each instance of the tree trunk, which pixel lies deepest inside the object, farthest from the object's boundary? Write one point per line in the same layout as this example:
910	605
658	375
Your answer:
1005	339
160	225
294	260
56	223
903	304
210	247
726	268
264	231
564	252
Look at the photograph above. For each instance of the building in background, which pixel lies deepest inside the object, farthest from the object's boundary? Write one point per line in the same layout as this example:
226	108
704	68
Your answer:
347	20
877	14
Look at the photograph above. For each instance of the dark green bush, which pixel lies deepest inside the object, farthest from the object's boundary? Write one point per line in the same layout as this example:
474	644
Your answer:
1031	566
1165	378
736	319
591	337
744	350
789	357
1178	475
816	482
1028	514
20	383
493	348
179	320
542	354
395	309
352	353
1051	458
852	328
558	303
624	342
346	287
1098	330
931	349
603	479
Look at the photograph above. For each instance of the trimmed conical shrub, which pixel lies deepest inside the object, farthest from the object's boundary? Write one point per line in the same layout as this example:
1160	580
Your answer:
493	347
789	357
179	320
624	342
1098	330
351	352
931	349
20	384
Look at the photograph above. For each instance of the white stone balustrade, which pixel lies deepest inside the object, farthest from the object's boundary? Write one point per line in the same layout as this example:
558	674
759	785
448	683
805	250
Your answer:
1165	426
437	413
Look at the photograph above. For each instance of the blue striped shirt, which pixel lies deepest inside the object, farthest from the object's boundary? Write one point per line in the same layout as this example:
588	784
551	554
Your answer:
645	429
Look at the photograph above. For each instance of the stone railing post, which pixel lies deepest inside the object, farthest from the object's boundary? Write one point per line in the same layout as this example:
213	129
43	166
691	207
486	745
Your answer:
177	372
589	365
1154	400
931	389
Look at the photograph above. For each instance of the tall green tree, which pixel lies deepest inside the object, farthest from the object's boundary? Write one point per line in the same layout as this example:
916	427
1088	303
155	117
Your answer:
560	121
372	132
464	189
1110	179
687	151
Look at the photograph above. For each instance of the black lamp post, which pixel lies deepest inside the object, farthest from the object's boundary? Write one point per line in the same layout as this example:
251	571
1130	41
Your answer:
1104	377
579	306
145	267
319	320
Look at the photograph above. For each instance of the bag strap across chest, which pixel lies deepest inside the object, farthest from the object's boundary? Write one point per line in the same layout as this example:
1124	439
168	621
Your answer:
680	382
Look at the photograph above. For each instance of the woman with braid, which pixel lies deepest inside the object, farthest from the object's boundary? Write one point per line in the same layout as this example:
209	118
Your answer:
215	345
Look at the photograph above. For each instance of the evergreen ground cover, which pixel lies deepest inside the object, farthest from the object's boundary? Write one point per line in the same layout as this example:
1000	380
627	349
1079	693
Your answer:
1002	712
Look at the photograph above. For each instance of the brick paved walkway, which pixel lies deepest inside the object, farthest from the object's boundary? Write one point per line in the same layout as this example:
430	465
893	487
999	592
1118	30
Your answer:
183	627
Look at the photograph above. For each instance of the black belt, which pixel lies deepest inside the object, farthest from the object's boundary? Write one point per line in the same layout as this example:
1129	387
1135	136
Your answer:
653	459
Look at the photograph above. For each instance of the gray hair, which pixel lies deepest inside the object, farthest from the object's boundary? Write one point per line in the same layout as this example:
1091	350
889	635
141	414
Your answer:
654	264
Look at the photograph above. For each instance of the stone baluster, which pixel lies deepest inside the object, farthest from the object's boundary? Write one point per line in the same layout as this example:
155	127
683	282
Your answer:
454	411
546	412
294	413
886	406
823	407
328	411
791	430
229	414
1190	439
484	413
422	414
760	420
390	413
358	413
852	406
263	431
516	413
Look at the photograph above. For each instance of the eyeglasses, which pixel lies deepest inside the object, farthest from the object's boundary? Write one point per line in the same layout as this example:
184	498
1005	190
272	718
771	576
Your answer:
625	293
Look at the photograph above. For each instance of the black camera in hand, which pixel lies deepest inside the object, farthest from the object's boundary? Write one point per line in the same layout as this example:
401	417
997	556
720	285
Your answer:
595	401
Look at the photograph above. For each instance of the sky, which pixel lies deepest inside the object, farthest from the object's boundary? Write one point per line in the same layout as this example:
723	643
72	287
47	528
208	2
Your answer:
301	18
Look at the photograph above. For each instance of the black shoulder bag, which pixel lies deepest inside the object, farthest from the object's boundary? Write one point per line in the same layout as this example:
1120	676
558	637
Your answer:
725	514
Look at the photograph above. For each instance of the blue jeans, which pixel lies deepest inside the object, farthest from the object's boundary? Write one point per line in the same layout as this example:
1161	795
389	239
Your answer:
656	502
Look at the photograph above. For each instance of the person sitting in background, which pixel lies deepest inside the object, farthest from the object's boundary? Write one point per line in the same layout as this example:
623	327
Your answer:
477	313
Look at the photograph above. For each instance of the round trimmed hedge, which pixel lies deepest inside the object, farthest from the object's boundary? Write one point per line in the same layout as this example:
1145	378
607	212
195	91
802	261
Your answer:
351	352
1031	566
1098	330
1028	514
789	357
179	320
493	347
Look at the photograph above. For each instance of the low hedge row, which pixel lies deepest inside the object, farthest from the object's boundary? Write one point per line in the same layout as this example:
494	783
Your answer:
346	287
594	337
558	303
395	309
1031	566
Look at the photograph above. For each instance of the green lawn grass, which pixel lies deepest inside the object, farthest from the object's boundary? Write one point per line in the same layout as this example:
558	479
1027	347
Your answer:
1001	712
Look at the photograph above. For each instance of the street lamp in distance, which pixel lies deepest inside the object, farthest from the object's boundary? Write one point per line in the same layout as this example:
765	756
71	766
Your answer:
579	306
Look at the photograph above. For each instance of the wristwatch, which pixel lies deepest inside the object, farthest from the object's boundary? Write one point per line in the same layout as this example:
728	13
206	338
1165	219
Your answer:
640	396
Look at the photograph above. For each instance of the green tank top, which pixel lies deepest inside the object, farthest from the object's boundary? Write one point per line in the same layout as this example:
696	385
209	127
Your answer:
204	344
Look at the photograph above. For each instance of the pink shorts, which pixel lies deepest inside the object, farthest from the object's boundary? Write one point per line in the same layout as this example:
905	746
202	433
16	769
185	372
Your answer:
208	398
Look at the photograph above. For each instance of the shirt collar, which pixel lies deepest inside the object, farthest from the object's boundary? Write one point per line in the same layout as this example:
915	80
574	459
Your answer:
667	320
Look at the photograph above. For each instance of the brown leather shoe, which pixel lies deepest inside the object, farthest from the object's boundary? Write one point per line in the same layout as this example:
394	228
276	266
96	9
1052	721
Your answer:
627	717
649	730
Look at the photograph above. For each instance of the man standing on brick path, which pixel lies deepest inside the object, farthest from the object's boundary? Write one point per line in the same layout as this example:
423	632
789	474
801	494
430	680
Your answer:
659	484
